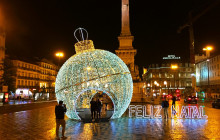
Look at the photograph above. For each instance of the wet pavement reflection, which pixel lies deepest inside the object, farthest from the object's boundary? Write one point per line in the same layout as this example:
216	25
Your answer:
40	124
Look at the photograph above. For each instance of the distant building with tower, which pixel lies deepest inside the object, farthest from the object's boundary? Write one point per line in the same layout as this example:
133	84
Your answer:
127	53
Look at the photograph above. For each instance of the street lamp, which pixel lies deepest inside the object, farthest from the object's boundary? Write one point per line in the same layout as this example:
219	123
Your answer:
174	67
59	55
208	49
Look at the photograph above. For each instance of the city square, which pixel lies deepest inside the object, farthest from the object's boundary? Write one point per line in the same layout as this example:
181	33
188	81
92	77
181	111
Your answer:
126	70
40	124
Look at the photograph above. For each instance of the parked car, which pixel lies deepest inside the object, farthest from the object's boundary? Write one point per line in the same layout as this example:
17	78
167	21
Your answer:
216	103
191	99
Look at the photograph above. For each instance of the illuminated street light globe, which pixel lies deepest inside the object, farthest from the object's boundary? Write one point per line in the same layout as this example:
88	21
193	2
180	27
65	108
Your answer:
90	71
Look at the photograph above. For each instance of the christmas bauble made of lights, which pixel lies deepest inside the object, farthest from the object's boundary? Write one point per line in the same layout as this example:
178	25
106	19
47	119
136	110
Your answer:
92	70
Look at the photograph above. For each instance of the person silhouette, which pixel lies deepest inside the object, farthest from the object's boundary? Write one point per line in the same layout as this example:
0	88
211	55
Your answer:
99	107
60	111
93	107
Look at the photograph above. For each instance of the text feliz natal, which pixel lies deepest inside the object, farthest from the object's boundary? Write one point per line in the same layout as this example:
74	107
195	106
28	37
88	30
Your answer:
188	112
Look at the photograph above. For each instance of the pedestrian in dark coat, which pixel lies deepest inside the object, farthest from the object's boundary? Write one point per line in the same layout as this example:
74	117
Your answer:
60	111
99	107
93	108
165	106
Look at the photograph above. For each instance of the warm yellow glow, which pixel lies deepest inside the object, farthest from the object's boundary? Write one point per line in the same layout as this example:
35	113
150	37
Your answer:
88	68
145	70
144	85
208	48
148	85
43	85
174	66
59	54
155	82
165	82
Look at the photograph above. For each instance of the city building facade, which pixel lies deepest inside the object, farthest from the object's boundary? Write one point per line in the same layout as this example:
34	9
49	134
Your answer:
2	56
169	78
33	80
208	76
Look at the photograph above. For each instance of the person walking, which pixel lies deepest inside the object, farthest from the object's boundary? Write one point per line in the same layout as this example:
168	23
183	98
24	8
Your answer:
93	108
99	107
60	111
173	102
165	106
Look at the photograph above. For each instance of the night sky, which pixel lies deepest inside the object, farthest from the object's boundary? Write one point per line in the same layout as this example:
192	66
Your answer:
39	28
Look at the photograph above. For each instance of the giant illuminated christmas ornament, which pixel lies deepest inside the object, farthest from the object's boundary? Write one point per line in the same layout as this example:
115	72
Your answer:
89	71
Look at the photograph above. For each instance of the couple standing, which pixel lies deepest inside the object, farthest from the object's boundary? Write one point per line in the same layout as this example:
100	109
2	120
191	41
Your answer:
165	106
95	108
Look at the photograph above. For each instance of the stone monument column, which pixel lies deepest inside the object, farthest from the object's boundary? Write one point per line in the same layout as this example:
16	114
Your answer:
126	51
125	25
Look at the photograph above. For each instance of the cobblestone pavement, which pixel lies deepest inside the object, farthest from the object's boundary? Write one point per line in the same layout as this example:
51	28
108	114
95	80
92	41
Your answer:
40	124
